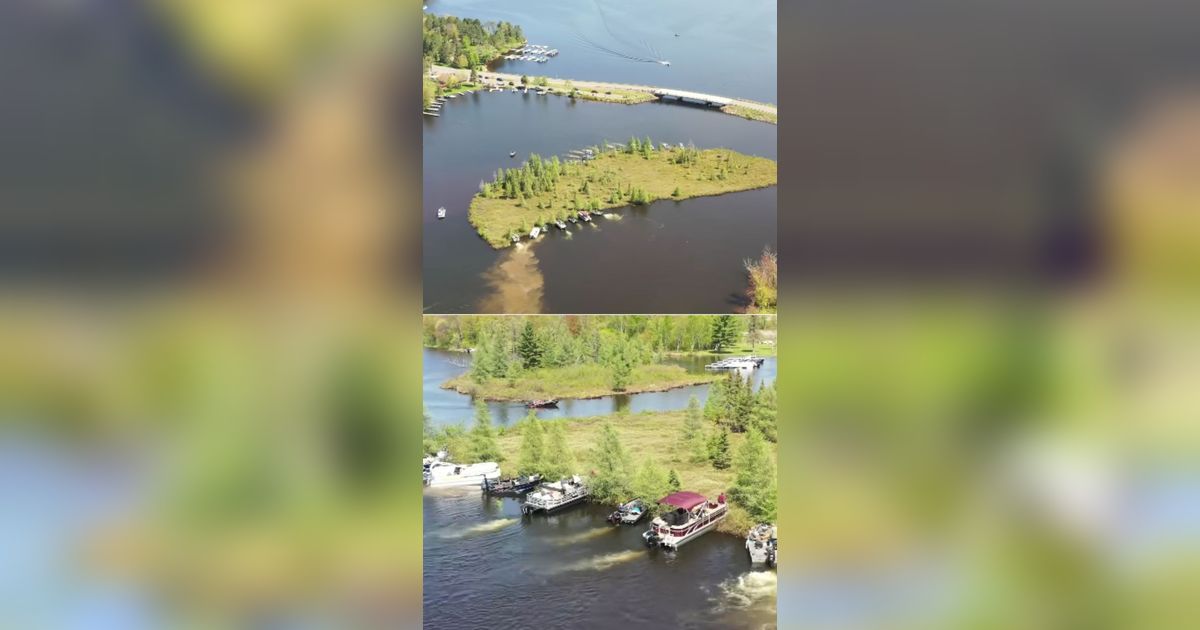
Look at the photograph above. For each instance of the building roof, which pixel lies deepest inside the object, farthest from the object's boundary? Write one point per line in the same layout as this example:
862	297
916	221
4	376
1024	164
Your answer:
685	500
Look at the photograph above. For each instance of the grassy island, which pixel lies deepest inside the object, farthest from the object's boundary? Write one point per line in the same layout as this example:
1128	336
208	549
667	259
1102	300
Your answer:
576	381
542	191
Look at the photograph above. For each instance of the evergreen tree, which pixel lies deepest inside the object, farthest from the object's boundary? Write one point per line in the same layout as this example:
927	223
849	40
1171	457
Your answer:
559	460
718	450
754	482
693	441
429	442
673	482
483	438
724	333
533	446
763	416
622	368
610	480
650	483
530	348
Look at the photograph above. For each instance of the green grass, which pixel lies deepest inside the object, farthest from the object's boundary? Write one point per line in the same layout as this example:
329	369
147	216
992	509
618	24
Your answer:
648	434
497	218
577	381
752	114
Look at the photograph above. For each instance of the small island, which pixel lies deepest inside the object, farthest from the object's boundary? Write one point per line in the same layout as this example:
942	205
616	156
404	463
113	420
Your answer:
577	381
543	191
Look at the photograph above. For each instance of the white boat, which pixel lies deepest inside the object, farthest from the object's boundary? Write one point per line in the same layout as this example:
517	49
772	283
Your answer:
443	474
761	544
561	225
442	213
516	238
535	231
693	516
551	497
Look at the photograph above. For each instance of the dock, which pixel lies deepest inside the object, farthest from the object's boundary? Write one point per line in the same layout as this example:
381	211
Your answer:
736	363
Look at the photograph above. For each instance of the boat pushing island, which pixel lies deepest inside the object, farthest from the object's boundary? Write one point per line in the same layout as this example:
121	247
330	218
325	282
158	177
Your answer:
554	496
693	516
446	474
511	486
761	544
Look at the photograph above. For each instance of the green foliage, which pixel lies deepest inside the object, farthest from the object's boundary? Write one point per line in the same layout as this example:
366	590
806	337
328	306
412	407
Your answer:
533	446
724	333
755	483
650	483
466	43
530	348
483	438
676	192
718	450
609	482
673	483
693	441
559	460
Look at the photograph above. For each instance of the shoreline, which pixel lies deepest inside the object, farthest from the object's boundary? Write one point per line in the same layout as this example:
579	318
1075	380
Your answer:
630	94
465	390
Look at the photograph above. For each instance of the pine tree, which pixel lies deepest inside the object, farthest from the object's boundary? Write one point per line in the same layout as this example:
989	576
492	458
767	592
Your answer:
483	439
650	483
429	436
559	460
718	450
724	333
610	480
622	369
533	446
754	482
693	441
673	482
530	348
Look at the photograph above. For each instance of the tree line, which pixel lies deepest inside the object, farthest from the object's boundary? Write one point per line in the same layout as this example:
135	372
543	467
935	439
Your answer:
581	338
466	43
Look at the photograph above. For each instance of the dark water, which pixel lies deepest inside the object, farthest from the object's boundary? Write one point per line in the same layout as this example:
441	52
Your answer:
486	567
448	407
725	48
671	257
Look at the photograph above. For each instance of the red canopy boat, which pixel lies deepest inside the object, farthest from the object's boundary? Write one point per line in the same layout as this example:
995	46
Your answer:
693	515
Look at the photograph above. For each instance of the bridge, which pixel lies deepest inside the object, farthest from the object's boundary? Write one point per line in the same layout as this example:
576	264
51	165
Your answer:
694	97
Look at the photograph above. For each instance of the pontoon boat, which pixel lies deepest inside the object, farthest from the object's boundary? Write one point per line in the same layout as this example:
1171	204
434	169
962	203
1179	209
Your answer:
693	515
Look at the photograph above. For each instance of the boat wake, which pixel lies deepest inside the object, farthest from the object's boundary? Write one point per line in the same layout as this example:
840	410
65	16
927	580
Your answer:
753	589
625	50
482	528
515	282
601	562
582	536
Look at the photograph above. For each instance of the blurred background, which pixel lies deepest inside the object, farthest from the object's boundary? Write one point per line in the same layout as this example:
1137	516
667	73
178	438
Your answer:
209	326
989	324
209	314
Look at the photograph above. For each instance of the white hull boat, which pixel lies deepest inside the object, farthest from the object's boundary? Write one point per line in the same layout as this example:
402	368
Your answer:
445	474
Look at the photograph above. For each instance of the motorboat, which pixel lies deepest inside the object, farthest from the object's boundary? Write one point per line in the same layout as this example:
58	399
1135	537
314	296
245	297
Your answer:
692	516
561	225
542	404
554	496
629	513
443	474
511	486
535	231
512	154
441	213
761	544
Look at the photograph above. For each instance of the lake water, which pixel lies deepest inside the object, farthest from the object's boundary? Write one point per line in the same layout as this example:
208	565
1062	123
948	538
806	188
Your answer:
449	407
669	257
724	48
487	567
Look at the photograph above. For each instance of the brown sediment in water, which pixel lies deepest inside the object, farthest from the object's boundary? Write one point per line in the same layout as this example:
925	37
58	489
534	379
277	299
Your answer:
515	282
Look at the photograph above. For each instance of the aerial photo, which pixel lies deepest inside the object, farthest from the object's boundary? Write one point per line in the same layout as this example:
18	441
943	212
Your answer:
602	156
600	471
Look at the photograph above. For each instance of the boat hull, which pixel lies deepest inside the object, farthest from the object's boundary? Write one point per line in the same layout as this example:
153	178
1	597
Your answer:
533	509
468	480
673	542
